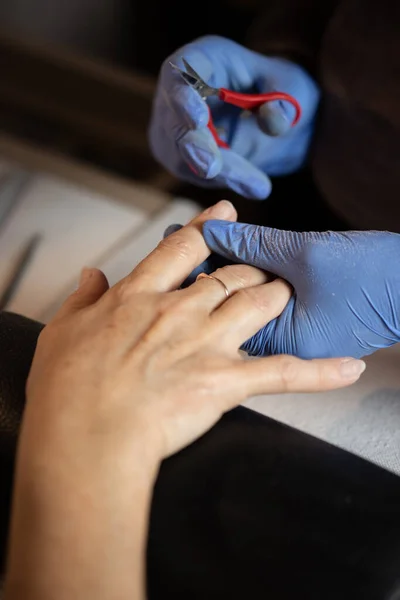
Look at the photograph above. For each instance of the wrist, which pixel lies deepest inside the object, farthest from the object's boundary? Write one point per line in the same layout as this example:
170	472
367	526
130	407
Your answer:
86	496
88	438
95	458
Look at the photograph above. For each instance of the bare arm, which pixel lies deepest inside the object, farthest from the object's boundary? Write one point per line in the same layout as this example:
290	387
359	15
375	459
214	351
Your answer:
80	520
121	379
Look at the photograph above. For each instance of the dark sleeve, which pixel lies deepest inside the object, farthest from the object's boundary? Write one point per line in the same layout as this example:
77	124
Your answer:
292	29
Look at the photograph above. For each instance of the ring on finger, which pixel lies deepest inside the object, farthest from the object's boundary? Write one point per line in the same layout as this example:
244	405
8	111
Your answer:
206	276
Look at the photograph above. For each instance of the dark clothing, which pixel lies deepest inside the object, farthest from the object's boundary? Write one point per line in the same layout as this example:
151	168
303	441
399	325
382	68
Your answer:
352	47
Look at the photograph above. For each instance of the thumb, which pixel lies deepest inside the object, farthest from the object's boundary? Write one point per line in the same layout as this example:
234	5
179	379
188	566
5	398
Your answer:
92	285
263	247
275	118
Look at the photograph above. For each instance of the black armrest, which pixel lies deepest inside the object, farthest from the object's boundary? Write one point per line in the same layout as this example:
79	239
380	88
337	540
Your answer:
257	510
252	510
18	338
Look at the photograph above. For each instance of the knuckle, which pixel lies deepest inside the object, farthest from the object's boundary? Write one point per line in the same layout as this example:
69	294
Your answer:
165	307
178	244
169	304
258	299
236	276
179	307
124	291
117	318
288	370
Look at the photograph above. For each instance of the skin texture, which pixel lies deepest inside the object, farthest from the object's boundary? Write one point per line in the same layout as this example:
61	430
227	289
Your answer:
121	379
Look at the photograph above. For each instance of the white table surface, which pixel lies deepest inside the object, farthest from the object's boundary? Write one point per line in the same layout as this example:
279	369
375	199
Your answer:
82	227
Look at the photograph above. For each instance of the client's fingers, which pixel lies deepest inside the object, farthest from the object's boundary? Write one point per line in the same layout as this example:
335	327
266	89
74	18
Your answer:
209	291
249	310
178	254
282	374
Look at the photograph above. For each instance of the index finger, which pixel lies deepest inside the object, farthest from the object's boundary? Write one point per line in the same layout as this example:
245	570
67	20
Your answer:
186	103
177	255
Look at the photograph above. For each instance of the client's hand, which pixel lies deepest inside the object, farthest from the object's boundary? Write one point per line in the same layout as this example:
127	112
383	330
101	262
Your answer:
147	359
121	378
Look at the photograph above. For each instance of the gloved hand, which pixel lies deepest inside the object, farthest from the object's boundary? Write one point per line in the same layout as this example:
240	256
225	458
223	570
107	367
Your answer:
260	146
346	298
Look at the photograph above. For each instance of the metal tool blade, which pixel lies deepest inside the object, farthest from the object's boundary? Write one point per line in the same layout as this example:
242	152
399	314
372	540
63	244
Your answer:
194	80
187	77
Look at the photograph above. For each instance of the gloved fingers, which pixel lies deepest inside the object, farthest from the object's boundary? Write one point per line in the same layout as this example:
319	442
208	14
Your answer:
287	374
250	309
261	343
224	168
165	129
176	146
277	75
263	247
212	58
238	174
275	118
196	157
186	103
175	257
198	147
269	154
182	116
200	152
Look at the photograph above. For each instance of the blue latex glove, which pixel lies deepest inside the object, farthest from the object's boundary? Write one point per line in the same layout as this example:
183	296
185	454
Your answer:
260	146
346	298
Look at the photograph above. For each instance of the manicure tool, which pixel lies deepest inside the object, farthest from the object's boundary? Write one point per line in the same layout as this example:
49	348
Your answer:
247	102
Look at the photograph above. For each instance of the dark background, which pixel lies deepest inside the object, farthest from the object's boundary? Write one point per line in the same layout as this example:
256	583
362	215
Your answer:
135	37
134	34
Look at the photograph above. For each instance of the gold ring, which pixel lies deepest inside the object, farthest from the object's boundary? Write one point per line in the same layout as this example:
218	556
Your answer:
205	276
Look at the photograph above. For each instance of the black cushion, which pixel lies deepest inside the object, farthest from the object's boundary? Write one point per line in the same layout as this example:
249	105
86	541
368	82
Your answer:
253	510
18	337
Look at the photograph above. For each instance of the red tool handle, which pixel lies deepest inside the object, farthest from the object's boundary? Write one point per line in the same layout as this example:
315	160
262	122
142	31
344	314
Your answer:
251	102
212	128
254	101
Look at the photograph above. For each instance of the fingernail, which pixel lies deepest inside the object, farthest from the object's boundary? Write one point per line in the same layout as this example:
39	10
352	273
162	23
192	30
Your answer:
352	368
86	274
222	209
